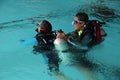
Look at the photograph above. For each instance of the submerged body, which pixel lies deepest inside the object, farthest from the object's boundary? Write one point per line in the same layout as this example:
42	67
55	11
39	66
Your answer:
63	50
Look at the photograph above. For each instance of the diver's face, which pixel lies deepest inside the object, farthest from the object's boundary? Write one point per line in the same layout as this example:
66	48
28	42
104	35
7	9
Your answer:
78	25
39	27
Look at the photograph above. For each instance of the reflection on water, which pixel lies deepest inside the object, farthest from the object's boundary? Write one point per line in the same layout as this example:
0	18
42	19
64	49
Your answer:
100	10
33	20
97	70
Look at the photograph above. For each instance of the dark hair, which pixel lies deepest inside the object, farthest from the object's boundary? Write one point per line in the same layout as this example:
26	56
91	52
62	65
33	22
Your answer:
46	25
82	16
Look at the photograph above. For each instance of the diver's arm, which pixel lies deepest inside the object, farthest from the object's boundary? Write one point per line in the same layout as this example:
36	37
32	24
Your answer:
64	36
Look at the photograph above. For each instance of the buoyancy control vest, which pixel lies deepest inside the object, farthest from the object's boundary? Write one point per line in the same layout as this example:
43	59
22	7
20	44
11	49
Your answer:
93	27
45	41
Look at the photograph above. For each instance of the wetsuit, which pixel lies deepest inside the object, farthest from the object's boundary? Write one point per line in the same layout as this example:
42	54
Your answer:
88	36
46	47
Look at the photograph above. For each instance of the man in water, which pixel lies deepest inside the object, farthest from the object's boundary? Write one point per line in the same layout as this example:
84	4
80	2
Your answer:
45	38
87	32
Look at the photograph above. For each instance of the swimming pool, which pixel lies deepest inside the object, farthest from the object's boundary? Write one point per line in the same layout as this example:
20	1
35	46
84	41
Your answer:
18	22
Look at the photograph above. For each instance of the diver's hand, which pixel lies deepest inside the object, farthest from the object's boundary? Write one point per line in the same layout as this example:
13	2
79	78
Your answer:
61	35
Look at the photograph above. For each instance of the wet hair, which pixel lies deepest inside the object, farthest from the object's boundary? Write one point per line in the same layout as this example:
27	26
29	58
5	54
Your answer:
82	16
46	25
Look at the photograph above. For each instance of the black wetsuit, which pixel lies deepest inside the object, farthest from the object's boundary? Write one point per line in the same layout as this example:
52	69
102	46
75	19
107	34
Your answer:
45	46
88	36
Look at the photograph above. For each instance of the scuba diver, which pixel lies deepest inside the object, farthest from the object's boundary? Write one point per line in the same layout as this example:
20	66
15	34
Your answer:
87	32
45	38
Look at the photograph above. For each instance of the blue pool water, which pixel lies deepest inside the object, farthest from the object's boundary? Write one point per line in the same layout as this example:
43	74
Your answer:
18	20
